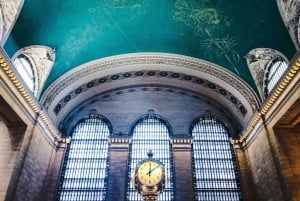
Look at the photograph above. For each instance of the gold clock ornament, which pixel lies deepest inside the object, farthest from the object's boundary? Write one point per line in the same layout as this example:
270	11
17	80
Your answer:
149	178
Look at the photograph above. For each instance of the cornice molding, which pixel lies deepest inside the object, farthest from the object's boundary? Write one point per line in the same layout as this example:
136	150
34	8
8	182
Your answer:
121	64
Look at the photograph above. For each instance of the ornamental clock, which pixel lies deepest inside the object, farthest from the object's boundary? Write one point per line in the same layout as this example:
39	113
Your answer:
149	178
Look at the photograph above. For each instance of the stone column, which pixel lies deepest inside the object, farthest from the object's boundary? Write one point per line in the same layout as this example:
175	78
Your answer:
182	157
118	167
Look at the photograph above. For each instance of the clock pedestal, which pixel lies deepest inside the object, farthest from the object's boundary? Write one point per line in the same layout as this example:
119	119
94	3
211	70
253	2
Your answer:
150	197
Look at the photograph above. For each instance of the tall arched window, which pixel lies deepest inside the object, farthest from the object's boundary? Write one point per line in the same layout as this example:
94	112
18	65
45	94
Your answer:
25	69
214	165
84	171
274	71
151	133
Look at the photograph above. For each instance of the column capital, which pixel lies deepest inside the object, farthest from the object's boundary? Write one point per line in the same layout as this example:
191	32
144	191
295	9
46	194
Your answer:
119	142
181	142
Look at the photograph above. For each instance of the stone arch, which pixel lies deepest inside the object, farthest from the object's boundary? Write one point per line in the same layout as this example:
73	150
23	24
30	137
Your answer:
290	12
257	60
42	59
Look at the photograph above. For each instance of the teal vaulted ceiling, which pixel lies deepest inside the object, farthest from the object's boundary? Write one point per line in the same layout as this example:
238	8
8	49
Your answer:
219	31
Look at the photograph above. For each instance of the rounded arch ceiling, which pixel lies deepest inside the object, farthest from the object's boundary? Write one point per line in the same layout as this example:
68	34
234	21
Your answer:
222	32
143	72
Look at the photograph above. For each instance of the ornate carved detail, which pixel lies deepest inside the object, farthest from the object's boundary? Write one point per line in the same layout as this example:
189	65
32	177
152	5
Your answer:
290	13
94	68
9	12
235	102
42	58
257	60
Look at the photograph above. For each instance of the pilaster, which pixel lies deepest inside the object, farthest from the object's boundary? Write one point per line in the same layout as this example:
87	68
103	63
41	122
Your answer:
118	163
182	157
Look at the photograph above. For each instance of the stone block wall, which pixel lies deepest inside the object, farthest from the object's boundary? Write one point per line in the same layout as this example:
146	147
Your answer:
34	169
264	169
289	141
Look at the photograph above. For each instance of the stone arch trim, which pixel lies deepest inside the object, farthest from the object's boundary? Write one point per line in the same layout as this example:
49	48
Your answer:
257	61
115	67
42	59
290	14
9	11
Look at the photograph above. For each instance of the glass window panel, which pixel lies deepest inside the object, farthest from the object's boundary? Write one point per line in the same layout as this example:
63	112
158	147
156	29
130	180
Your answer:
274	72
151	133
85	167
25	70
214	166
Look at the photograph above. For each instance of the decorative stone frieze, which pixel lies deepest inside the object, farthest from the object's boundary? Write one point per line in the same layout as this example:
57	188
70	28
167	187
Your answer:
257	60
290	13
96	77
9	11
42	59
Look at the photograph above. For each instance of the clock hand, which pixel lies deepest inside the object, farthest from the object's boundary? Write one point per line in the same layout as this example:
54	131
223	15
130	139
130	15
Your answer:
149	173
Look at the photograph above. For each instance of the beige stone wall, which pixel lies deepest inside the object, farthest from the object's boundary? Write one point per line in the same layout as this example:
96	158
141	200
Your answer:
289	141
264	170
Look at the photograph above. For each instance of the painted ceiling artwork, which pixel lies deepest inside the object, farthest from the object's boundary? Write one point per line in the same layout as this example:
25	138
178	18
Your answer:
218	31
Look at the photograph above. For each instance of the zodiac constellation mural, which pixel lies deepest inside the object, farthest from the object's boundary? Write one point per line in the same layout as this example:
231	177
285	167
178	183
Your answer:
208	23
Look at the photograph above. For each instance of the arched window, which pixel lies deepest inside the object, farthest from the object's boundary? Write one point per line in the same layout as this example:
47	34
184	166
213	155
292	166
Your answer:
85	166
274	71
151	133
25	69
214	166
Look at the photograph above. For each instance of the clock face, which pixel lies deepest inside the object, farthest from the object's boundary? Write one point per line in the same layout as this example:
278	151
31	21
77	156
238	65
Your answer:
150	173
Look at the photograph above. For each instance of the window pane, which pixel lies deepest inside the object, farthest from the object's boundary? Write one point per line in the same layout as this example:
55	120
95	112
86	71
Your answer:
85	167
24	68
273	74
151	134
214	167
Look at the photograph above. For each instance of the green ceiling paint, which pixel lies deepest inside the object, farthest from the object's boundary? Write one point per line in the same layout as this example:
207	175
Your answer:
219	31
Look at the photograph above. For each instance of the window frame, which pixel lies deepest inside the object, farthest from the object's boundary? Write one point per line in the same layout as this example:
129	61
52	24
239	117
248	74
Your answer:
274	71
28	69
209	164
104	124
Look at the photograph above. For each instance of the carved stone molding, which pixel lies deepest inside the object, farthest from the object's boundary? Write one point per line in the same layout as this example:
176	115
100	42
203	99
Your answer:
290	13
42	58
117	67
257	60
9	11
152	73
